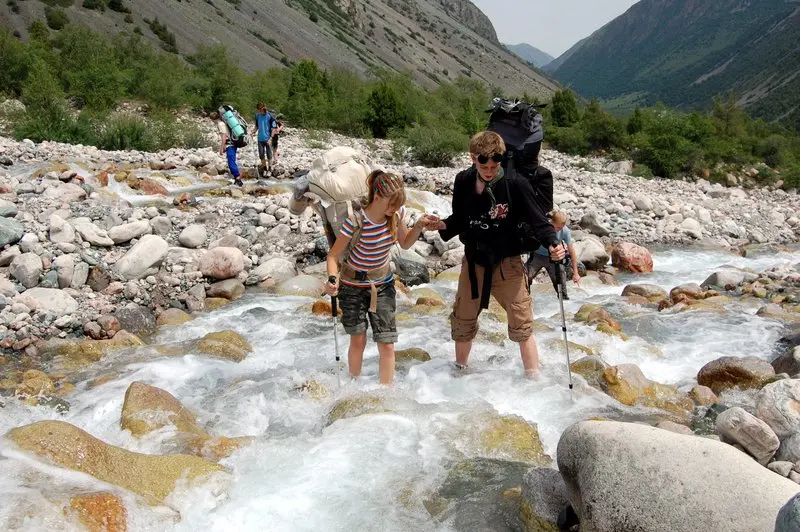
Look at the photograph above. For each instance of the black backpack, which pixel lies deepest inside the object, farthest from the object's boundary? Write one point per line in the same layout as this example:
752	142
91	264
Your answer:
520	126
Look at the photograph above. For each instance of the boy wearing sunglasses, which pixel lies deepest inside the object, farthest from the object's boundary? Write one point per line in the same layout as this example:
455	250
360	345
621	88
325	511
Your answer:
488	206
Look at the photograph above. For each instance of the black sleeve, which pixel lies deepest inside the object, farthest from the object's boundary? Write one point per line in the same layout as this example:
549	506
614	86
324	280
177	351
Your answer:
526	206
457	222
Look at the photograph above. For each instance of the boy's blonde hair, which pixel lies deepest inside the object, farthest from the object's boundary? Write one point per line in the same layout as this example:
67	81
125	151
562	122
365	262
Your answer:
559	217
486	143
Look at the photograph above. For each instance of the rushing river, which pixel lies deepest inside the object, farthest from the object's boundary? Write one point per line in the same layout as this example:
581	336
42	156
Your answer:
300	474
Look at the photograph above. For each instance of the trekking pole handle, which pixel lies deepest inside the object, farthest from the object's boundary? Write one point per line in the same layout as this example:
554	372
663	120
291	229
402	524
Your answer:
334	299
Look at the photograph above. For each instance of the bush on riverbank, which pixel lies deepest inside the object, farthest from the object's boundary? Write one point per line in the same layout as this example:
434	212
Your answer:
74	68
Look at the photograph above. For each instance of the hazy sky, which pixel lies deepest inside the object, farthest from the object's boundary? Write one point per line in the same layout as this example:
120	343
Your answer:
552	26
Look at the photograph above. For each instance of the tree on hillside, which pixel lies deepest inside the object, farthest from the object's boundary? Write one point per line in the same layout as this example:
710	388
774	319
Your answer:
384	111
565	109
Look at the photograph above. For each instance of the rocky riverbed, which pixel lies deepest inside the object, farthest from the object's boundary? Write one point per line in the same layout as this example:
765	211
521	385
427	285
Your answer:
150	308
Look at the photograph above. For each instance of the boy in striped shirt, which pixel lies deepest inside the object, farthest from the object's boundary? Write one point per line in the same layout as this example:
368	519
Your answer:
365	283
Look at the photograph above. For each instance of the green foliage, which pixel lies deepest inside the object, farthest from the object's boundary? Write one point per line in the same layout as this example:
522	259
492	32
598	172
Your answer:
385	112
13	63
564	111
429	126
41	90
166	37
98	5
90	70
435	147
56	18
119	6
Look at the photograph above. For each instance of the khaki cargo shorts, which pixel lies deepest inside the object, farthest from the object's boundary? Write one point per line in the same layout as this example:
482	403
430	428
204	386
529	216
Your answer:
509	287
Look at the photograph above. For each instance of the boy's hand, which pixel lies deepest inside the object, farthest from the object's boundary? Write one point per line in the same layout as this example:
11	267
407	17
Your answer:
576	278
556	252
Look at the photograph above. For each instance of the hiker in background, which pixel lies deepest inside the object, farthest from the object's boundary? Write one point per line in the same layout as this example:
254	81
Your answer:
365	283
487	210
264	129
227	147
541	257
277	127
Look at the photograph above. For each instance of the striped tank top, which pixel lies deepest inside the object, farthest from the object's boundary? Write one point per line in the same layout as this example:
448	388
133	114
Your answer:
373	248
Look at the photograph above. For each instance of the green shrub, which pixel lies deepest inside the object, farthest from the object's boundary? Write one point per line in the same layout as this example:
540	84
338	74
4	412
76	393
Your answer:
56	18
564	111
98	5
119	6
384	111
41	89
13	63
435	147
126	132
56	124
570	140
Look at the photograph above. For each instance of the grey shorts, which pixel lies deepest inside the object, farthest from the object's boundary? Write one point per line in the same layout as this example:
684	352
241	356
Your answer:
354	302
264	150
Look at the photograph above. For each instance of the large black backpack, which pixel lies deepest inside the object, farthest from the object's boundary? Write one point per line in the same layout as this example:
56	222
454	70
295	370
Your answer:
520	126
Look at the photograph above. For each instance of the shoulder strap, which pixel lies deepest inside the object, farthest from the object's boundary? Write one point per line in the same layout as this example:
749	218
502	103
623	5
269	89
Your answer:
357	220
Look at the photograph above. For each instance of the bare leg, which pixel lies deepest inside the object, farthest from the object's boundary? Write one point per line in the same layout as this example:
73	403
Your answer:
462	352
530	356
386	362
356	353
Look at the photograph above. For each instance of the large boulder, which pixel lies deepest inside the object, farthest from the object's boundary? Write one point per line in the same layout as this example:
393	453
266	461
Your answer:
591	224
228	345
93	234
778	404
11	231
632	258
222	263
143	258
60	230
51	300
150	476
738	426
627	384
229	289
479	494
788	519
544	496
411	272
788	362
127	232
278	269
727	279
626	476
193	236
79	352
66	192
26	269
651	292
136	319
735	372
302	285
147	409
592	253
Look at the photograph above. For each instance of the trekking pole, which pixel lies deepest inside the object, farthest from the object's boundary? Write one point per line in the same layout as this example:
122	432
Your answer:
560	275
334	313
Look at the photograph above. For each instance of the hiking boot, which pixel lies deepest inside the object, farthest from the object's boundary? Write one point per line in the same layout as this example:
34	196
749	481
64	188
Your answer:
238	182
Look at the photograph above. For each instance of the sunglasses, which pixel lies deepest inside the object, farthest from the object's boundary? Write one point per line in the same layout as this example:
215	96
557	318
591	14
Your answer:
496	157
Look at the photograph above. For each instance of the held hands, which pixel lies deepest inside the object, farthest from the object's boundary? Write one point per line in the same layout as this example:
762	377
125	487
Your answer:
430	222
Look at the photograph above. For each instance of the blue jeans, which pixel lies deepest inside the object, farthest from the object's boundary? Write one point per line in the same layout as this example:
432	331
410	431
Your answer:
230	151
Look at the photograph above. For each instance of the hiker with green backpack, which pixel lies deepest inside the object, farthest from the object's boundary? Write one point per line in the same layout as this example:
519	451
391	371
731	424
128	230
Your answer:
359	273
497	217
233	135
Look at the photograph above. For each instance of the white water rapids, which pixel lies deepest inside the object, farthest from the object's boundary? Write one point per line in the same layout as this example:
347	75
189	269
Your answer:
300	474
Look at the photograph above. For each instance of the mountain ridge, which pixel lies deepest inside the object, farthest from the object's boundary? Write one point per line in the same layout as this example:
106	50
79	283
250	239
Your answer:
531	54
434	40
686	52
